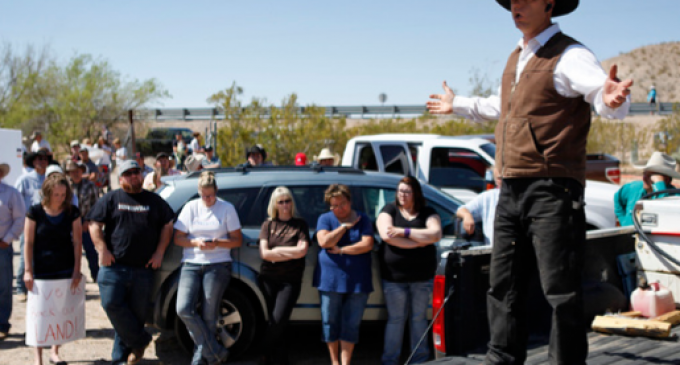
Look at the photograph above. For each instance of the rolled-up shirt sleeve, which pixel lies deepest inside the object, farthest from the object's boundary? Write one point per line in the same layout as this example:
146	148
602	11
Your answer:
579	73
18	215
478	109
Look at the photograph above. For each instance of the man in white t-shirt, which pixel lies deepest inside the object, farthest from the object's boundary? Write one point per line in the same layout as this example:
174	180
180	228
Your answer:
39	142
481	208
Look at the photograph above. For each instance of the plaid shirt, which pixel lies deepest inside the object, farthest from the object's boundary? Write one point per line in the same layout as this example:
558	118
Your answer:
87	195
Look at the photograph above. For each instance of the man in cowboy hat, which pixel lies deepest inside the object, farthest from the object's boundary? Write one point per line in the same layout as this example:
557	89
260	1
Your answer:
12	211
75	150
327	158
657	174
29	186
548	87
255	156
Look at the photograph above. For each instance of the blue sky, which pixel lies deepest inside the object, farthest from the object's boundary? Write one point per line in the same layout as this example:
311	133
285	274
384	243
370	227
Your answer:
329	53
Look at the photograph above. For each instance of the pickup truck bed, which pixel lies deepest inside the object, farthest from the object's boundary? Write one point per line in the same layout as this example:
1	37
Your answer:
463	328
603	349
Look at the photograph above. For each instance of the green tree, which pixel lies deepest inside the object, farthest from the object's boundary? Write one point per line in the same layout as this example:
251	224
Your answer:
70	101
282	131
25	84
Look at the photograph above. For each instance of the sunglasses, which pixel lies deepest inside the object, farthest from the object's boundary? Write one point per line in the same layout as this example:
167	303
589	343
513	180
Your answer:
282	202
131	172
41	158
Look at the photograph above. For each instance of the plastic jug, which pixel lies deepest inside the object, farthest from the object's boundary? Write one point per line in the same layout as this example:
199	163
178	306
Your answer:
652	300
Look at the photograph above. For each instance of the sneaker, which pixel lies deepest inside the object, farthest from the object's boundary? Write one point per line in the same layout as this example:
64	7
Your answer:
3	335
136	355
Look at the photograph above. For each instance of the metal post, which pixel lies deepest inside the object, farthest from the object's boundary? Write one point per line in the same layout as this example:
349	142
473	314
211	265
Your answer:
132	132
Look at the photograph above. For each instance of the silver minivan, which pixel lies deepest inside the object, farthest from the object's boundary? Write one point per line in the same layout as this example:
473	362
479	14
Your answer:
243	310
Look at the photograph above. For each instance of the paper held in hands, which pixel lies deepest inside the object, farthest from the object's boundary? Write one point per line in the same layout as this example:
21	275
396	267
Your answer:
54	313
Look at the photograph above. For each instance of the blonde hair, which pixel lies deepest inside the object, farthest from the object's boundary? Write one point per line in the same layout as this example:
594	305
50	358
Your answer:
276	194
207	180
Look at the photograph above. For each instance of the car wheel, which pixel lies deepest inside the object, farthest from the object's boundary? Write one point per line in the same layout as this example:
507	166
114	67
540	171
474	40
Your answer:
236	326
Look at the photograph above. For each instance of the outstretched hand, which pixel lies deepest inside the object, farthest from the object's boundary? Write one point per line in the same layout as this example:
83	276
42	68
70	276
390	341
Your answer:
615	91
443	103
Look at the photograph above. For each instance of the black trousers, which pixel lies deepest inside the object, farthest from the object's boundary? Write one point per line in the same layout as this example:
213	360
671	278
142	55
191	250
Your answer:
541	219
281	297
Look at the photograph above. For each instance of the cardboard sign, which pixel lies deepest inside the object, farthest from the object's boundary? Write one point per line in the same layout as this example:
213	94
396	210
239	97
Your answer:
54	314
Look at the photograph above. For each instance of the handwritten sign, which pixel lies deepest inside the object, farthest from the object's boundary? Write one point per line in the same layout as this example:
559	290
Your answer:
55	315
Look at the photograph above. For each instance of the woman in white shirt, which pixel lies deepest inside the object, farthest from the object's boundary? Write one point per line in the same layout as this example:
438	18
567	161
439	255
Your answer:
208	228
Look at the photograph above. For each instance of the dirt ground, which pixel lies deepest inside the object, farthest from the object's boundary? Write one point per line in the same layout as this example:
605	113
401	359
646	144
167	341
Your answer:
95	348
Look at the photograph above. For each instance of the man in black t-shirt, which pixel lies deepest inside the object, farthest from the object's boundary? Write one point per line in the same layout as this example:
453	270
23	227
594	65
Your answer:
138	230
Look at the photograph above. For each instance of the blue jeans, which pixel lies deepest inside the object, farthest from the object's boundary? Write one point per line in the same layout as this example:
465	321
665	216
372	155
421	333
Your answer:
341	315
406	300
21	286
6	274
125	292
91	255
204	285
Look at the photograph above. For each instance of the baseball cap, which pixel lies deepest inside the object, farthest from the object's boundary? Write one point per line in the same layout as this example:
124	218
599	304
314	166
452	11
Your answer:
300	159
128	165
160	155
52	169
75	143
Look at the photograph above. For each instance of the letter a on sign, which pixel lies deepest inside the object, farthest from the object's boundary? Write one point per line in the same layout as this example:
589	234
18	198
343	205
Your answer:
55	319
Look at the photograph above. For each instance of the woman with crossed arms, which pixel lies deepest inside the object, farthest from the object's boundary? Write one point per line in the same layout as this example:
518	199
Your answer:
284	239
408	261
343	271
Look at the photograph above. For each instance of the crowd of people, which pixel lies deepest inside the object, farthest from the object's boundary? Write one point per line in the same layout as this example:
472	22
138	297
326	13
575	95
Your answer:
58	212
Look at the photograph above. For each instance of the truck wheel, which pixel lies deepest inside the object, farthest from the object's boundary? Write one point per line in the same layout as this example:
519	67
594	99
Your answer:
236	326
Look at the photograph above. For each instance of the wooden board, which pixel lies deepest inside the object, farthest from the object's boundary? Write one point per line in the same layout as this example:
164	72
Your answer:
631	327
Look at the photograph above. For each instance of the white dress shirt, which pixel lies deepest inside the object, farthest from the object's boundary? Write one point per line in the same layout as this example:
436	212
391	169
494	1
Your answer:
577	73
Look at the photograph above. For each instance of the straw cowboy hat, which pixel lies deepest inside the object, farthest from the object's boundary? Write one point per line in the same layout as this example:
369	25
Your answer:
4	170
660	163
194	162
326	154
562	7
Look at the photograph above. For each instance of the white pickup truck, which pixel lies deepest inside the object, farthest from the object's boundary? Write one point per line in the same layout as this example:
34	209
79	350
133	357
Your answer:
460	166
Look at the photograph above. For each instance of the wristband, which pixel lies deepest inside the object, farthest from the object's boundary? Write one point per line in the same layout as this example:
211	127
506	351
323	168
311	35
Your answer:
407	232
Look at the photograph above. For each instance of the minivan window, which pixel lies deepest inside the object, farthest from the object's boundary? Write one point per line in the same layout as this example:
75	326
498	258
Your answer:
309	202
243	200
374	200
395	159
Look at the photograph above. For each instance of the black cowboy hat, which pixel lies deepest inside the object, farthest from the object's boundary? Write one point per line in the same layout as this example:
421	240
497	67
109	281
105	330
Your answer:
257	149
562	7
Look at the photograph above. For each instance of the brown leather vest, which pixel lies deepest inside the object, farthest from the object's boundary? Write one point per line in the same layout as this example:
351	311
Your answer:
541	133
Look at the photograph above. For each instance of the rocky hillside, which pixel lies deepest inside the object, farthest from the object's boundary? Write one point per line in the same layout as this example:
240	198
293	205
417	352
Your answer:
657	65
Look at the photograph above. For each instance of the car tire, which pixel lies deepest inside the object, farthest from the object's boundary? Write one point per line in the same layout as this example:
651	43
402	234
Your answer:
236	328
